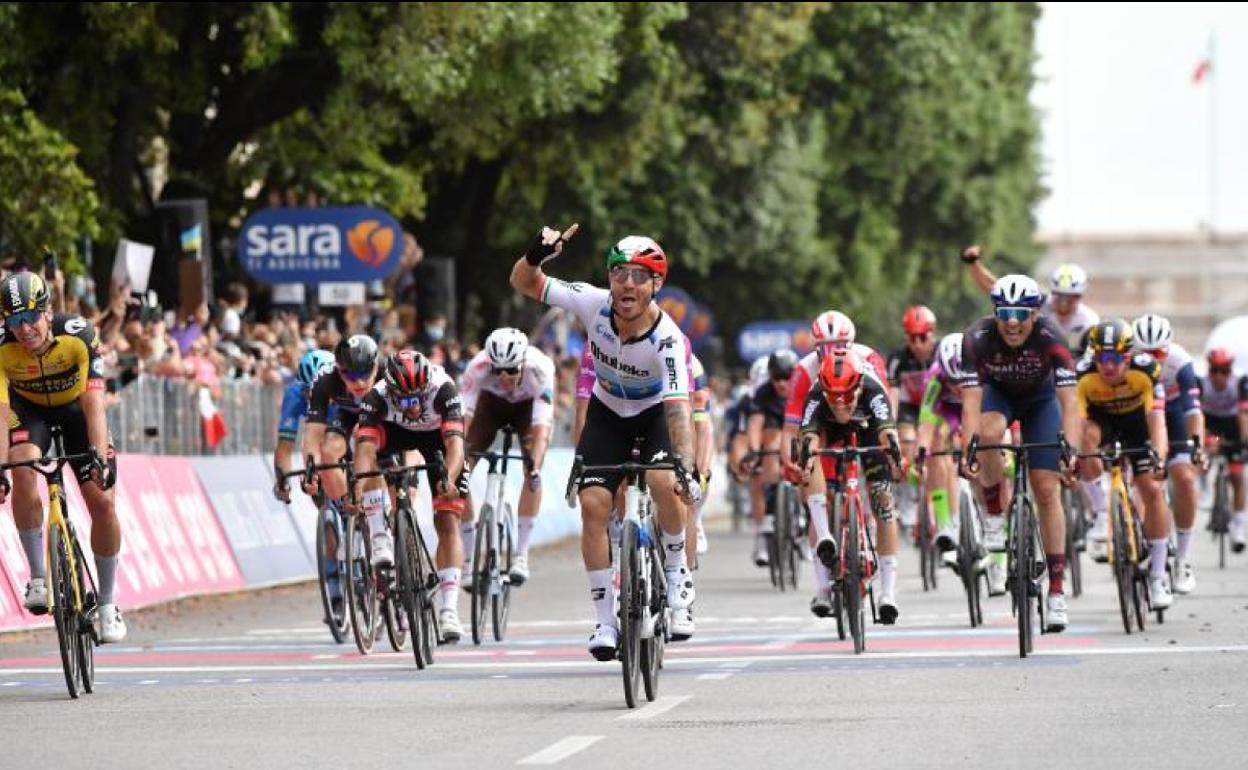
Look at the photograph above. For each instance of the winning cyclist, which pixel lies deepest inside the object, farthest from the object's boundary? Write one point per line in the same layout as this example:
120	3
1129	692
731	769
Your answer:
511	383
848	401
416	407
1121	398
641	395
1153	335
1018	368
51	374
1224	400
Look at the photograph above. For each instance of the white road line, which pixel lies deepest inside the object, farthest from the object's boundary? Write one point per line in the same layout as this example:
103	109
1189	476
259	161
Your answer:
717	676
10	684
561	750
662	705
149	681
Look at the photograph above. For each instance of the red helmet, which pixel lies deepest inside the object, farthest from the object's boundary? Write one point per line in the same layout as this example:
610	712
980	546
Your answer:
832	326
639	250
919	319
1220	358
407	372
840	373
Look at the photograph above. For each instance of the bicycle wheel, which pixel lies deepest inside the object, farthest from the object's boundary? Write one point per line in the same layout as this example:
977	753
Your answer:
1221	513
1159	612
362	585
1022	554
1123	566
1139	588
408	564
630	611
921	538
1074	536
793	537
425	598
86	617
500	602
852	585
336	616
652	644
967	561
482	570
392	613
778	544
61	597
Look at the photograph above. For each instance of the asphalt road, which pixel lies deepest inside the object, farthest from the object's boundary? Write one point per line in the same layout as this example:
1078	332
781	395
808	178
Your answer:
254	680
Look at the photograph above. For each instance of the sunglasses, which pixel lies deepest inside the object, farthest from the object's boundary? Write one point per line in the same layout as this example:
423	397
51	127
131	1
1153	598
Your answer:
918	337
1219	370
367	374
1007	314
845	399
1110	357
622	273
23	318
510	371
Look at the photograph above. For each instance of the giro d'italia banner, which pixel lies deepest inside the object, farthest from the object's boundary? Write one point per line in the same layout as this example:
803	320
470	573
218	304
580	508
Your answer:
320	245
762	338
693	318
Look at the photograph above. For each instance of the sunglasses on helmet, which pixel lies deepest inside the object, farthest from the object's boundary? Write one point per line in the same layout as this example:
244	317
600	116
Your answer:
23	318
1007	314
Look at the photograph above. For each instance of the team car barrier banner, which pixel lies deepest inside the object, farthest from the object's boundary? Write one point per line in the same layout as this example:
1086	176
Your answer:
320	245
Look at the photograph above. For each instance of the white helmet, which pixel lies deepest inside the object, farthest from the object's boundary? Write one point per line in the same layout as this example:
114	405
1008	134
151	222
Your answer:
832	326
1068	279
949	356
1151	332
1016	291
506	347
758	371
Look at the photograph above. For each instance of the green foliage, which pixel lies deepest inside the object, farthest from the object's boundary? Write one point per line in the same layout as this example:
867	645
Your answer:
789	156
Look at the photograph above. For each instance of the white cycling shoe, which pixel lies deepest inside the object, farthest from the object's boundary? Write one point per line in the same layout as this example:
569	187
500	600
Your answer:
112	626
519	570
997	576
603	642
704	545
36	600
679	587
383	550
682	625
448	623
821	604
1185	581
1055	618
1159	595
994	533
1098	540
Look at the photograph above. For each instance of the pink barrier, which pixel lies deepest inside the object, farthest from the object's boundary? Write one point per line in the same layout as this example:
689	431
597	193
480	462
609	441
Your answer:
172	544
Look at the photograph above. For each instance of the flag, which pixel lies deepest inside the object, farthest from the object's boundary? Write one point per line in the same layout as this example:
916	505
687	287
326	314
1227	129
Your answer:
1204	69
212	421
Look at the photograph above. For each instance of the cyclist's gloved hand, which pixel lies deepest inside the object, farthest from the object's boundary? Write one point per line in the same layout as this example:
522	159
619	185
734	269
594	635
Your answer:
547	245
101	472
281	490
971	254
461	485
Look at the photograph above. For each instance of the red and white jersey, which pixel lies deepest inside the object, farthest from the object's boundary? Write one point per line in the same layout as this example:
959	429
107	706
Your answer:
537	384
806	374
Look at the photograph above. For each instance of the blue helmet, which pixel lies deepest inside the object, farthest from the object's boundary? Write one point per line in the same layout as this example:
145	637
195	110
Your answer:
313	363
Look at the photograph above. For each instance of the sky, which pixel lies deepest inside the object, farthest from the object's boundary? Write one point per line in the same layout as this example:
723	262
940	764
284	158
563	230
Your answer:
1126	131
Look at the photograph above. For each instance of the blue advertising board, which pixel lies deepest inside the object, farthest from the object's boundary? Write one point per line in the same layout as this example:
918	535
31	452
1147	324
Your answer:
320	245
762	338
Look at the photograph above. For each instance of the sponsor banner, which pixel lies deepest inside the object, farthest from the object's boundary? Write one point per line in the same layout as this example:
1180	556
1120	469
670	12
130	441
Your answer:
258	528
340	294
317	245
693	318
762	338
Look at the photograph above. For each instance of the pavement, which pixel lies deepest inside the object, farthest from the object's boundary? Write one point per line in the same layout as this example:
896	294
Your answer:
254	680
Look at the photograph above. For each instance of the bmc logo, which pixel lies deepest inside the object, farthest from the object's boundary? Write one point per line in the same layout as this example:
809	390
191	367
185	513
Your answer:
321	245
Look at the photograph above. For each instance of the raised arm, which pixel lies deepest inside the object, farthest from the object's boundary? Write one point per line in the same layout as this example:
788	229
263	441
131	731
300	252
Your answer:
526	275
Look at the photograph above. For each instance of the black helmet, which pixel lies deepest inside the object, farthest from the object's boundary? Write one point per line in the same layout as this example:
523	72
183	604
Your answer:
780	364
1113	335
23	291
356	354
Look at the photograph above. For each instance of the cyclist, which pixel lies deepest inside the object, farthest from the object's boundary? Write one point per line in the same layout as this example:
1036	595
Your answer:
848	401
764	421
333	409
1121	397
907	370
1224	400
640	397
700	402
512	383
312	365
416	407
1065	306
1153	334
940	417
1018	367
51	374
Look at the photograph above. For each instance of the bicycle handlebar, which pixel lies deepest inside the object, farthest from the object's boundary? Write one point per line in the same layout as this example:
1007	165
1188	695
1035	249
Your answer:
47	466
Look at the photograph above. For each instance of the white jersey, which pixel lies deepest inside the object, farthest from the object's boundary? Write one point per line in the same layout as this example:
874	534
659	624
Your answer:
1073	328
1179	378
1227	402
537	384
630	375
439	396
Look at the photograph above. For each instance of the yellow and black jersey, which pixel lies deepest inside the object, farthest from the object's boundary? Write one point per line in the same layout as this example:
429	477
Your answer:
69	367
1141	390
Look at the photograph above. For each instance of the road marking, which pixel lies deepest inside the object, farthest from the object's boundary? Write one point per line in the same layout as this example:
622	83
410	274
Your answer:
561	750
149	681
718	676
661	706
10	684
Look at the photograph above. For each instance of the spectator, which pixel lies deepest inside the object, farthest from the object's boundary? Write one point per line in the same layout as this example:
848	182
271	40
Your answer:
235	308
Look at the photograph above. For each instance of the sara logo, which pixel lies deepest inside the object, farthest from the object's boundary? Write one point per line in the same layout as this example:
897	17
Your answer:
316	245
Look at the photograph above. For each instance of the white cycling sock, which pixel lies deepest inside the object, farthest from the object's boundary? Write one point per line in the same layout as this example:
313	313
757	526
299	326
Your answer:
448	584
673	550
374	502
602	593
1184	543
468	536
1241	518
823	578
1095	490
888	575
525	532
1157	557
819	516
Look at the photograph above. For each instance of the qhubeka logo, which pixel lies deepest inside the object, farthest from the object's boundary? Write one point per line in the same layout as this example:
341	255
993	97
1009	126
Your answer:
370	241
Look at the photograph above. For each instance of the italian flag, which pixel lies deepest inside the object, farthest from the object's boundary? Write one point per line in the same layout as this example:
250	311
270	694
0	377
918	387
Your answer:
211	419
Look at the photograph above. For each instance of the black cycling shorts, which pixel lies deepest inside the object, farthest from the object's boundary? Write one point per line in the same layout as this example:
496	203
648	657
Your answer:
1226	429
31	424
1130	430
396	441
608	439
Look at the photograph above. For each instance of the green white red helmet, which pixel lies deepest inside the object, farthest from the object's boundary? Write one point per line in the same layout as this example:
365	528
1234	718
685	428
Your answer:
639	250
